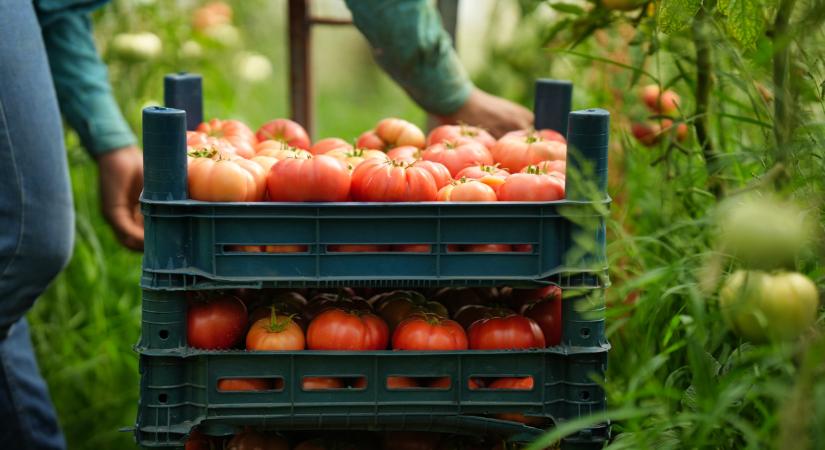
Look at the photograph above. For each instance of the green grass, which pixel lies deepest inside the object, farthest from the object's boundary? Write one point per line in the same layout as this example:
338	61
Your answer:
677	377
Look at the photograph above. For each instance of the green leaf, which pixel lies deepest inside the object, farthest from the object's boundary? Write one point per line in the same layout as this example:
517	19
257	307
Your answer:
568	8
744	20
675	15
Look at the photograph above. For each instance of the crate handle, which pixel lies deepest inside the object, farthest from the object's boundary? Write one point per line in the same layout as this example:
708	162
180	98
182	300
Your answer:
185	91
164	154
552	104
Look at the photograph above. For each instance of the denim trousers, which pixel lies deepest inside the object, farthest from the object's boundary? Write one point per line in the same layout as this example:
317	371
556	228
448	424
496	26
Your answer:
36	222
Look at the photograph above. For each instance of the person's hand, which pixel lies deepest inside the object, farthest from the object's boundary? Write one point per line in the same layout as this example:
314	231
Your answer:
121	180
495	114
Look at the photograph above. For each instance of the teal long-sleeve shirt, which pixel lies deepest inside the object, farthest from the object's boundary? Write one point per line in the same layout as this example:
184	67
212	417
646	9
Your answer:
407	37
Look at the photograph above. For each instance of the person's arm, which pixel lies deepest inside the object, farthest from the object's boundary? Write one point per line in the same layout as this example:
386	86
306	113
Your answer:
411	45
86	101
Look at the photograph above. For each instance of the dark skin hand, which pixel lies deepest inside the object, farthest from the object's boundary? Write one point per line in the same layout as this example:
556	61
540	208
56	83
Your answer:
121	181
495	114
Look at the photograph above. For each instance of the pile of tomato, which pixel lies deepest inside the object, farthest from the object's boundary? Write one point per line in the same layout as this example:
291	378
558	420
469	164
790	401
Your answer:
448	319
391	440
394	162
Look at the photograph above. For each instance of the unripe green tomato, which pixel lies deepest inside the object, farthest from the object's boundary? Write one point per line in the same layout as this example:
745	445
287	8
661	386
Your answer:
762	307
763	232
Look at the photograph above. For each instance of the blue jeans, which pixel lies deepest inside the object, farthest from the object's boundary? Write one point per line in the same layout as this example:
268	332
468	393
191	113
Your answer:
36	222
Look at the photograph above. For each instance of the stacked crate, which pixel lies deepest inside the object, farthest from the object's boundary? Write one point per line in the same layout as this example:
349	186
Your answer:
187	248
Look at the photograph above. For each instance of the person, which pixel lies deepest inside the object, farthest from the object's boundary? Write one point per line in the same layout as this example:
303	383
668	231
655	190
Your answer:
49	64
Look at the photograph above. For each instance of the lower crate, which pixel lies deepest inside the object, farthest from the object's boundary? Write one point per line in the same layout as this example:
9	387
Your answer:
179	390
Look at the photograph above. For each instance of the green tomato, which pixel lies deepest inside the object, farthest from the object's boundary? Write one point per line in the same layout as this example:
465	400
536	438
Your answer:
763	232
760	307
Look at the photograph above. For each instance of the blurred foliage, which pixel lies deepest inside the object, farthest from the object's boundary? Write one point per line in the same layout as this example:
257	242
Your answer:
678	378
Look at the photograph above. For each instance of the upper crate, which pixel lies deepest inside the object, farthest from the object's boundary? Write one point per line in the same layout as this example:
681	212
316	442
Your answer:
192	244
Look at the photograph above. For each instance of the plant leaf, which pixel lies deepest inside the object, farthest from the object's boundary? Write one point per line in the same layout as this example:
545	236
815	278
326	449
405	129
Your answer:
744	20
675	15
568	8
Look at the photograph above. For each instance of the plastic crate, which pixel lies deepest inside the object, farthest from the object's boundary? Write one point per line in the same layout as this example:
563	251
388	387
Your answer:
191	244
188	246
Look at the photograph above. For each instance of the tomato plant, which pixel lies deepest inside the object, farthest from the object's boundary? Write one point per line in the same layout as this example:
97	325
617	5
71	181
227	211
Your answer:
505	333
429	332
318	178
457	156
390	181
285	130
336	329
215	323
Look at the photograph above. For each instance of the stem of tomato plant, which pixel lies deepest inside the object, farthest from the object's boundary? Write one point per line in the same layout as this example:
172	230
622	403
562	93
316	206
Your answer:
783	118
704	83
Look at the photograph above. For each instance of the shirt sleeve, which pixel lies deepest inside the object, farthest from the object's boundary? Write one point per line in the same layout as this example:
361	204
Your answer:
82	84
411	45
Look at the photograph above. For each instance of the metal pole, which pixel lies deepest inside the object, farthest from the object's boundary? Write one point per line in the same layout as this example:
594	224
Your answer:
300	75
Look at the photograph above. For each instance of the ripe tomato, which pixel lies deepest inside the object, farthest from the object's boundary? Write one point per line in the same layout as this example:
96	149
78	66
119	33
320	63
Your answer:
222	180
216	323
446	383
480	171
429	332
200	441
405	153
505	333
396	132
258	175
530	187
666	102
455	133
245	384
285	248
467	315
467	190
323	302
285	130
266	162
760	306
519	298
517	384
394	307
322	383
275	333
389	181
648	134
547	314
234	131
515	153
457	156
370	140
279	150
354	157
318	178
558	166
252	440
327	144
412	248
455	298
546	134
201	144
336	329
282	309
401	383
440	173
488	248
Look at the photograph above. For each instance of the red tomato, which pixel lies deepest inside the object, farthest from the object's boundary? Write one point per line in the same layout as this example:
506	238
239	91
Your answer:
518	298
279	150
258	175
546	134
467	315
323	302
405	153
197	142
666	102
266	162
455	298
285	130
522	248
440	173
528	187
285	248
467	190
505	333
395	307
354	157
396	132
559	166
488	248
517	384
216	323
251	440
234	131
321	383
357	248
388	181
515	153
478	172
370	140
446	383
318	178
456	133
199	441
328	144
401	383
245	384
275	333
547	314
429	333
412	248
457	156
222	180
245	248
335	329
